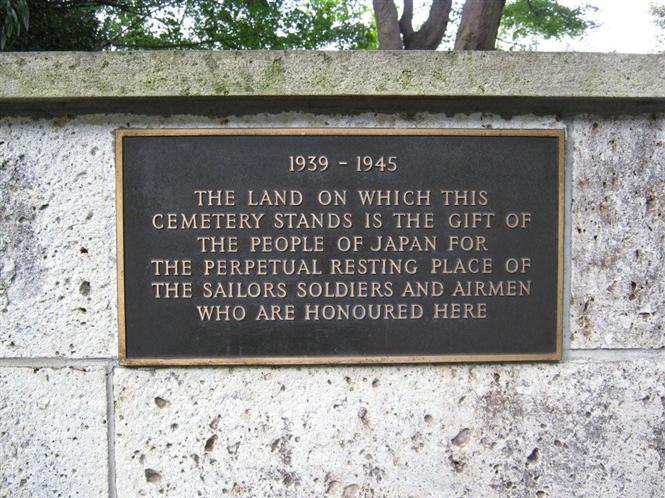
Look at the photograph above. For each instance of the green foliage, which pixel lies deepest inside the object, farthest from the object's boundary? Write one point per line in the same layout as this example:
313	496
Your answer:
658	13
248	24
14	19
58	26
242	24
545	19
204	24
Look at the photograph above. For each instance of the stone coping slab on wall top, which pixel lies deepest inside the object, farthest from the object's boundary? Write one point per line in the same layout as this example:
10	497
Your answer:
72	76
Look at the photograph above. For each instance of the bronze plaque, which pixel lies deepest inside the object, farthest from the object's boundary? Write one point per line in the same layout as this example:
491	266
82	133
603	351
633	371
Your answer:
283	246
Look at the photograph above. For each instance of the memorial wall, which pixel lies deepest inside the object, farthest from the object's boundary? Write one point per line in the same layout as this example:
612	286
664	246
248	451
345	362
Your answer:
309	274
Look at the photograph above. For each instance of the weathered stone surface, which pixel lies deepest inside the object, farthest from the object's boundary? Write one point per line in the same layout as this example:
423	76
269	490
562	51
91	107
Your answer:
67	76
575	429
57	252
618	232
53	435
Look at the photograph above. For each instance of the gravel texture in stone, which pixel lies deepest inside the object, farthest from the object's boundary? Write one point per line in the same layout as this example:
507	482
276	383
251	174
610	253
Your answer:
53	434
575	429
618	232
57	250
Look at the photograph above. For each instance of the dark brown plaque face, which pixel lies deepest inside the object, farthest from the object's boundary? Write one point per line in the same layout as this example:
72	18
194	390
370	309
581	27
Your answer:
277	246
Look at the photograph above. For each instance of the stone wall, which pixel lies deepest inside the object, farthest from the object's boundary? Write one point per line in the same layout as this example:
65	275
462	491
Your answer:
74	423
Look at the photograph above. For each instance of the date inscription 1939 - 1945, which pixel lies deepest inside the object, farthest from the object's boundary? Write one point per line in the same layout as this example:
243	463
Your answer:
277	246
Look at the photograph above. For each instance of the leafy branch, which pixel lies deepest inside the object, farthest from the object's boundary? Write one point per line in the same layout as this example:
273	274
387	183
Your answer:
14	19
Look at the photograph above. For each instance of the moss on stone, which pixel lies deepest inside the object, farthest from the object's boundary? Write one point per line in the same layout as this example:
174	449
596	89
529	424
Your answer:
76	75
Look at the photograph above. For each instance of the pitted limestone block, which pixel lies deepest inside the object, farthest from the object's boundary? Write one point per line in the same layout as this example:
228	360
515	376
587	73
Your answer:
575	429
57	254
53	434
618	232
57	206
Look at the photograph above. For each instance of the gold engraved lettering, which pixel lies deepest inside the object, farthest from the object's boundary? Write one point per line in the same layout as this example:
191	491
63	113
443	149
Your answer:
369	266
395	197
423	289
470	220
218	244
402	243
221	312
261	267
310	221
360	289
207	221
274	198
521	265
502	288
457	311
518	220
228	290
445	266
277	312
363	312
293	243
331	198
467	243
215	197
464	197
414	220
171	266
172	290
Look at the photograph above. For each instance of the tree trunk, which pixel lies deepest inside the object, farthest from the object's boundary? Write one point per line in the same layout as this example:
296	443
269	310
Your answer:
479	26
387	25
429	36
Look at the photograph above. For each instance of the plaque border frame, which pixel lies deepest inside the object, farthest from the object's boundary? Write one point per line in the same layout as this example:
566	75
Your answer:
120	133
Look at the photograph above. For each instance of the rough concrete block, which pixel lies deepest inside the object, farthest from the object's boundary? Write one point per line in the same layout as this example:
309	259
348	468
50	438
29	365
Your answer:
575	429
57	249
618	232
53	435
